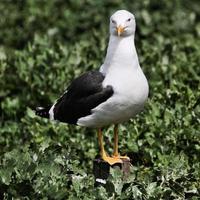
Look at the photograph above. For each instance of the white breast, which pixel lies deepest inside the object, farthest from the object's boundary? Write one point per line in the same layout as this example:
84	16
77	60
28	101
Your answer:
122	71
130	93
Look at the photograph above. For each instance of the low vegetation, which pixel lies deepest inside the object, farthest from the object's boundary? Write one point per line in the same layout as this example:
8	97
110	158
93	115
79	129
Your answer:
43	46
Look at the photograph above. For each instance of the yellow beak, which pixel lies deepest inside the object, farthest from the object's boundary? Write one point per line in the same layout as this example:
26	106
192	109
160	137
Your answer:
120	30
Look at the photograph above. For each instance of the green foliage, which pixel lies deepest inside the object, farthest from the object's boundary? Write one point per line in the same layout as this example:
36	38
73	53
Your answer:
43	46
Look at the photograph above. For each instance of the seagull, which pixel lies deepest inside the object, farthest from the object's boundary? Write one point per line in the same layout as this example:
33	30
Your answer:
110	96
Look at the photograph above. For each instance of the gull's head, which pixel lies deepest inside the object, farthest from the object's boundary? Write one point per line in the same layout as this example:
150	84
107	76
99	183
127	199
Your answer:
122	23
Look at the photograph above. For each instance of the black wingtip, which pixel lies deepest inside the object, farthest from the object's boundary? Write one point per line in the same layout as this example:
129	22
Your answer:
42	112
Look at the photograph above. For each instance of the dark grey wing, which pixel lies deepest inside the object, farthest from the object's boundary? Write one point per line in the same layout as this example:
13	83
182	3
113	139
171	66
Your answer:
84	94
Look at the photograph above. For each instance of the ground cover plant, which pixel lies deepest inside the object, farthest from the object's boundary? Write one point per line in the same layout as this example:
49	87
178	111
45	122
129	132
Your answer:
44	45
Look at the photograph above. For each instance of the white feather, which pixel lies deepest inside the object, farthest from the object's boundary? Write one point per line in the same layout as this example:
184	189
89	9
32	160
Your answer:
51	112
122	71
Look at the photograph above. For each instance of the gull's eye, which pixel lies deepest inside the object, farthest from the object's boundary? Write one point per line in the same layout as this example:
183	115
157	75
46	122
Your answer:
129	19
113	21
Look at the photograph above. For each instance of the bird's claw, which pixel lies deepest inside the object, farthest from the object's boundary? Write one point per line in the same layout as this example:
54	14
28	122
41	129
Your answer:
112	160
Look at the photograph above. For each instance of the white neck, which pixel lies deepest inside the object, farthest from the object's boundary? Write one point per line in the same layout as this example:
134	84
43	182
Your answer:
121	51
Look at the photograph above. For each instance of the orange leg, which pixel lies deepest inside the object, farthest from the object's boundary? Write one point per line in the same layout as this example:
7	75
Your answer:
104	156
116	153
